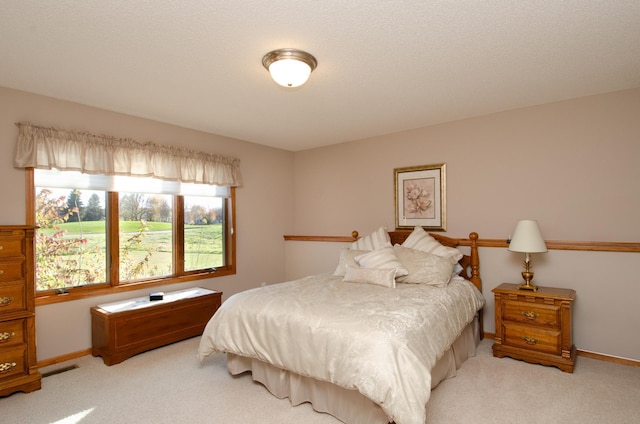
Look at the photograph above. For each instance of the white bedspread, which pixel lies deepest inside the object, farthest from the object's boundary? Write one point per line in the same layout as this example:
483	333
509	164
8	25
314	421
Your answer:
382	342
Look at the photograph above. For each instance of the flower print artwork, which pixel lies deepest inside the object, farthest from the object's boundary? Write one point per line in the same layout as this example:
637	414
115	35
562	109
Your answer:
418	198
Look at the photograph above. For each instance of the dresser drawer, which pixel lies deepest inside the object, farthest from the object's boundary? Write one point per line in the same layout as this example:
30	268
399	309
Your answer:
12	362
10	246
12	333
531	313
12	298
532	338
11	269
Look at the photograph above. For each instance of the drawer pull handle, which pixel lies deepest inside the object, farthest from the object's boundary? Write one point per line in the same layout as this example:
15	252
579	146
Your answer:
529	340
1	271
6	336
1	247
7	367
5	301
530	315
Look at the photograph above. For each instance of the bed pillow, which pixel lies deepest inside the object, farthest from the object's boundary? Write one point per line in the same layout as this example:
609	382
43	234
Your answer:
376	240
382	258
419	239
424	268
385	277
347	258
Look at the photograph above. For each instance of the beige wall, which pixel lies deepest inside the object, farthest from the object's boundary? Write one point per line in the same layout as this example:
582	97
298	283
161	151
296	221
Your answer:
264	203
574	166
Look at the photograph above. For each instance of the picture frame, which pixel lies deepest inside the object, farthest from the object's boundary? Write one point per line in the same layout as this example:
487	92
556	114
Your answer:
420	197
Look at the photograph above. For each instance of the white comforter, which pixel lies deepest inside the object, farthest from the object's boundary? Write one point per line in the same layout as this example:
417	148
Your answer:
380	341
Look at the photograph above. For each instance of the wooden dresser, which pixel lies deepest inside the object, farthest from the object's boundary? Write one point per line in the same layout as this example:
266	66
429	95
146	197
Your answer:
122	329
535	326
18	364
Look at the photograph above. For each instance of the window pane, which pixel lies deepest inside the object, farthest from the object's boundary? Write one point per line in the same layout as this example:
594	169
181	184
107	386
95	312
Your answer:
71	239
146	235
203	232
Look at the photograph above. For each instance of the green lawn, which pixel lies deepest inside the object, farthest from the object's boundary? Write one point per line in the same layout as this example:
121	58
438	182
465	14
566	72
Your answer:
98	227
203	245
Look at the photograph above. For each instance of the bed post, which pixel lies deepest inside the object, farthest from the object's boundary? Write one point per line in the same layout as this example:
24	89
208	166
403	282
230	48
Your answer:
475	261
475	274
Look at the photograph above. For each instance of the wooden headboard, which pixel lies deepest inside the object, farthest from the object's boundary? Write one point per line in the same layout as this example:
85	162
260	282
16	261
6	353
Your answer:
470	263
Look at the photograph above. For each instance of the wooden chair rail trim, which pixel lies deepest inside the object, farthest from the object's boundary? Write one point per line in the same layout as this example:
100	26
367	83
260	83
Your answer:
321	238
593	246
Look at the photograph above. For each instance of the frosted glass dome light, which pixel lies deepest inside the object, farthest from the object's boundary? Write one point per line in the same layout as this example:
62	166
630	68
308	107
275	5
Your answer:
289	67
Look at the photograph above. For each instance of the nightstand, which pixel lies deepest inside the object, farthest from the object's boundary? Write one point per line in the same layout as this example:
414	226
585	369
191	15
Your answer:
535	326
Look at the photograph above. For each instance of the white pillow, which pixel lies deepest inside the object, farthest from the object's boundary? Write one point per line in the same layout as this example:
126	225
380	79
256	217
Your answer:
382	258
376	240
424	268
380	277
419	239
347	258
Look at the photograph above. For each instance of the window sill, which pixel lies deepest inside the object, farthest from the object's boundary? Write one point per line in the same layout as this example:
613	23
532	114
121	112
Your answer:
86	292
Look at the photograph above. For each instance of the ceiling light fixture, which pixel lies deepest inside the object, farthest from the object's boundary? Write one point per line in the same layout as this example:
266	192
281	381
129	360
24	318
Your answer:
289	67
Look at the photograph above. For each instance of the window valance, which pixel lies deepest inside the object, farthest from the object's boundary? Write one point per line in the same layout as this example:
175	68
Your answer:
47	148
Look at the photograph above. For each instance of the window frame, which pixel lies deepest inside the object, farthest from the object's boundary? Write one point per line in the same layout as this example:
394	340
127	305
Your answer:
115	285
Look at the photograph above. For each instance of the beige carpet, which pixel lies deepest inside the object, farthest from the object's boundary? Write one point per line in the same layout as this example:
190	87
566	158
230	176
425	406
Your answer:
168	385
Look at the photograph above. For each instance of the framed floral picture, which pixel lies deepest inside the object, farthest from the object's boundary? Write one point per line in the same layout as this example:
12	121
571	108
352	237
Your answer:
420	197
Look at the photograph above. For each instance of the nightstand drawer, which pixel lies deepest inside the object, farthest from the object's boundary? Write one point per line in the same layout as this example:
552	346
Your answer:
532	338
531	313
12	333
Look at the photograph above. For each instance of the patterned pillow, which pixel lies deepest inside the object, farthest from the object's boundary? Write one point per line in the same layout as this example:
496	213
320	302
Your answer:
424	268
382	258
347	258
376	240
419	239
380	277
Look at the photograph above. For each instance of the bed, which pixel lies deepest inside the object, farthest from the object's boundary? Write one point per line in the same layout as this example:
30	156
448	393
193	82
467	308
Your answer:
367	342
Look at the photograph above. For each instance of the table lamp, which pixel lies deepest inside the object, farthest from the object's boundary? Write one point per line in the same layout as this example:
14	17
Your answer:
527	239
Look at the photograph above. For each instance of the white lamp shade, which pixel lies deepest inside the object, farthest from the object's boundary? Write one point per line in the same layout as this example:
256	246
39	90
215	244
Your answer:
527	238
289	72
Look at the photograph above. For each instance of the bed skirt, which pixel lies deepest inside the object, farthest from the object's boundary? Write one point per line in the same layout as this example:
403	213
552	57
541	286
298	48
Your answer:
349	406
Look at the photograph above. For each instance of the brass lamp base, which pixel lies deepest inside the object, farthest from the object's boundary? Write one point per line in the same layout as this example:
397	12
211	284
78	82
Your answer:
527	285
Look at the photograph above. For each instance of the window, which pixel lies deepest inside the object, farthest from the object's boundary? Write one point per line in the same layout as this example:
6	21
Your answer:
92	239
146	235
71	242
115	214
203	239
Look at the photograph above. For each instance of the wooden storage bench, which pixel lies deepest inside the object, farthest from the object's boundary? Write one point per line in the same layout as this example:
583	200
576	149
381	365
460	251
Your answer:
122	329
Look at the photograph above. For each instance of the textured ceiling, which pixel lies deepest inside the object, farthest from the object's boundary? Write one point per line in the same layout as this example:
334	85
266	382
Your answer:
383	66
